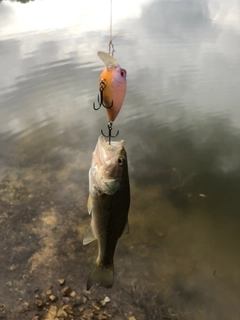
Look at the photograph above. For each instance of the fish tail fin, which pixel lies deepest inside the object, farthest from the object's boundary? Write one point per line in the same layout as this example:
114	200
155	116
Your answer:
101	276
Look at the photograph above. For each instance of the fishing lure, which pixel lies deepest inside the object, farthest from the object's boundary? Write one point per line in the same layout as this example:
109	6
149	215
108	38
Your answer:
112	86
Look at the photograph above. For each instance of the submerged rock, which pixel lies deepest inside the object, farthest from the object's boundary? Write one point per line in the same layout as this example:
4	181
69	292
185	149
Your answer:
66	291
61	282
52	312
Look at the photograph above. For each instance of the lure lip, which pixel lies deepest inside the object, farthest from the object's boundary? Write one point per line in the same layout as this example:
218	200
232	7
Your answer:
108	60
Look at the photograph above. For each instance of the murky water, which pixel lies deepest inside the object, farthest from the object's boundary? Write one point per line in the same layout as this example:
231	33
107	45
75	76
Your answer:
180	122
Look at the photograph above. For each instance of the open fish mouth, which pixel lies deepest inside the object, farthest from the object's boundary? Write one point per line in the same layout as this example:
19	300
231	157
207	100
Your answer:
108	162
105	152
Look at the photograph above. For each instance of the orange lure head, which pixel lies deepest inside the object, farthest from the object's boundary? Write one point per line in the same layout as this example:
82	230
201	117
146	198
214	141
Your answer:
112	85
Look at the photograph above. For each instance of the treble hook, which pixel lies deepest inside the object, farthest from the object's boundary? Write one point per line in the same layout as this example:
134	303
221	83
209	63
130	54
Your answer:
102	86
100	102
110	123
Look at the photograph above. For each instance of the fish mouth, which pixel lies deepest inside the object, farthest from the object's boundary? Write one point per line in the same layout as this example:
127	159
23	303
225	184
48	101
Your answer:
105	152
107	165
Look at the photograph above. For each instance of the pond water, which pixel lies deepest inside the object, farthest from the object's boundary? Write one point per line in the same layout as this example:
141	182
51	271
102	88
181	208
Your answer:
181	125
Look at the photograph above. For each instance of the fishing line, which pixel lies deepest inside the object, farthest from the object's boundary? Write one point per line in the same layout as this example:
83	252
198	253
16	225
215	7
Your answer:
110	20
111	48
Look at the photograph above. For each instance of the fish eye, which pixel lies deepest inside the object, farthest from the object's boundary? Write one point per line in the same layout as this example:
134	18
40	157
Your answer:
123	73
120	161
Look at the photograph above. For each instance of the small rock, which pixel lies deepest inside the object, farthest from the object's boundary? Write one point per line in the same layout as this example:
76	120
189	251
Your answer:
81	309
13	267
61	282
73	294
106	299
9	283
38	302
49	292
132	318
66	291
35	318
102	303
61	314
67	308
65	300
52	312
86	293
88	314
52	297
78	300
96	307
84	299
25	305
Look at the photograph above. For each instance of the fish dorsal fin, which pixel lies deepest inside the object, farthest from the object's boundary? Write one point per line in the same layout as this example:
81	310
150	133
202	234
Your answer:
89	236
126	228
108	60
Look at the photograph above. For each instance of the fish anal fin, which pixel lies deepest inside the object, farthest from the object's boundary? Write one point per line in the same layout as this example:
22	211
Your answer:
101	276
126	228
89	204
89	236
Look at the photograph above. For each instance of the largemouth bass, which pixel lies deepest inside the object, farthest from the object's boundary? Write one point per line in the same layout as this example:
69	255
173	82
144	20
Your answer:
108	205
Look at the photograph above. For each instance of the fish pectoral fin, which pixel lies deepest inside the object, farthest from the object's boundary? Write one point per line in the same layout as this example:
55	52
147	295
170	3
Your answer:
89	205
126	228
89	236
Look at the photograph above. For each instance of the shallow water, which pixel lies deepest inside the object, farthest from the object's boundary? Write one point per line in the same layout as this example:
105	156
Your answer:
180	122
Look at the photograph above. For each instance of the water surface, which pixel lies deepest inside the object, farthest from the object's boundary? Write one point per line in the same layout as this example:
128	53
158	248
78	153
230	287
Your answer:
180	122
